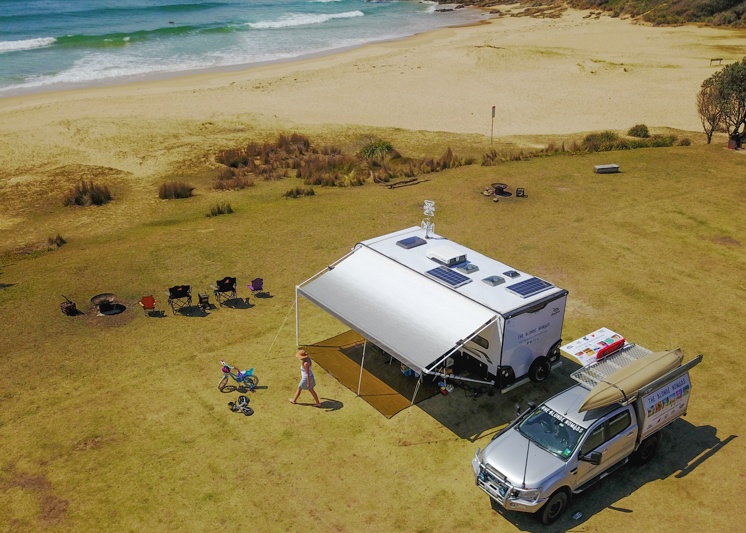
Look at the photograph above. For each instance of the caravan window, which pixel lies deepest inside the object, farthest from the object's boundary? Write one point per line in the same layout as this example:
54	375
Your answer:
481	341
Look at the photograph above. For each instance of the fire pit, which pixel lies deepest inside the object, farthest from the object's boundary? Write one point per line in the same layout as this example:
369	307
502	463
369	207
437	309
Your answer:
106	305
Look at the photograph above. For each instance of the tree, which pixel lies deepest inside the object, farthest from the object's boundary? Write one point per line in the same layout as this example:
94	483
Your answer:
732	87
709	107
722	100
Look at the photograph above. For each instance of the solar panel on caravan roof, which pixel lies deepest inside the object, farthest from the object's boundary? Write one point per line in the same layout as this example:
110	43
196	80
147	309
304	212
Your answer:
449	277
529	287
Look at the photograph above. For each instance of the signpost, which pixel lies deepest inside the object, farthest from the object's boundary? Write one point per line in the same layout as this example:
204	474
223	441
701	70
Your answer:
492	129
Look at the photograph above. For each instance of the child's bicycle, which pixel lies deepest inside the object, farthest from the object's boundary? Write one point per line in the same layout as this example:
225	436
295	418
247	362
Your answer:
245	379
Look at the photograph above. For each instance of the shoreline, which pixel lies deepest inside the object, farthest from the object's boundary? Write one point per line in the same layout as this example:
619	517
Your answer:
544	75
168	75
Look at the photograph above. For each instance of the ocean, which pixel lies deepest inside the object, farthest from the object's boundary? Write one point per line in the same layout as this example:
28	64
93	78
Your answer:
60	44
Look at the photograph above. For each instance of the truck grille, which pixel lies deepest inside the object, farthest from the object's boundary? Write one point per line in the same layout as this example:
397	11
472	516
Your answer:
493	485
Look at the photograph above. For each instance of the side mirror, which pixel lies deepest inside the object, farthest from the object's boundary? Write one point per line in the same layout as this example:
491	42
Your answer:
594	458
532	405
517	410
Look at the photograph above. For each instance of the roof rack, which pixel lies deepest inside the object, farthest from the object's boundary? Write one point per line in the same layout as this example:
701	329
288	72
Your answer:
591	375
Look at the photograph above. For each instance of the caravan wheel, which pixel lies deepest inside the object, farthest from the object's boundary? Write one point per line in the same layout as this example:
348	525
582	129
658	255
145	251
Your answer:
539	369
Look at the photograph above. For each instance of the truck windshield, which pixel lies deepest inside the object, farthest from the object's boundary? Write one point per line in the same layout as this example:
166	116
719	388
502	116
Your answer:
551	431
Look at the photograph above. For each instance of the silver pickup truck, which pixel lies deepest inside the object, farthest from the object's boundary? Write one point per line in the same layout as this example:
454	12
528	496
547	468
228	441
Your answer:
564	445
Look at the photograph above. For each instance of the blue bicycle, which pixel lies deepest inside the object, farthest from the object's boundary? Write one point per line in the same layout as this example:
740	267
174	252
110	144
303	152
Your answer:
245	379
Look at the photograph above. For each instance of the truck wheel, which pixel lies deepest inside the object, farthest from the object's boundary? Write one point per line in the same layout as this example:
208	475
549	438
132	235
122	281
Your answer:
539	369
646	451
554	507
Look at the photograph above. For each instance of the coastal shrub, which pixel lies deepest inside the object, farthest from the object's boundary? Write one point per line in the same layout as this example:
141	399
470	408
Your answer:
221	208
377	150
87	193
639	130
297	192
600	142
686	141
172	190
55	242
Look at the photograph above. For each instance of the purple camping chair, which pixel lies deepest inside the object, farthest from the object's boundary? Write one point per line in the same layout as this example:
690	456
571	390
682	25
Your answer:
257	286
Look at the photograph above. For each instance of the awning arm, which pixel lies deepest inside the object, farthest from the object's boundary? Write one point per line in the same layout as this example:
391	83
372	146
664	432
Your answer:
460	378
458	346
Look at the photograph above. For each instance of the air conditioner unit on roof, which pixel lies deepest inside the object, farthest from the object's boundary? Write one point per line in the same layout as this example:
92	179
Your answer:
445	255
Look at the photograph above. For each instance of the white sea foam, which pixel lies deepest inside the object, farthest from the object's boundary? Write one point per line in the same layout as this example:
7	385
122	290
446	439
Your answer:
301	19
26	44
322	1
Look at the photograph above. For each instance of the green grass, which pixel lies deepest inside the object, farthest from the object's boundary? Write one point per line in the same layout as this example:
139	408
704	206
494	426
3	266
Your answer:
116	424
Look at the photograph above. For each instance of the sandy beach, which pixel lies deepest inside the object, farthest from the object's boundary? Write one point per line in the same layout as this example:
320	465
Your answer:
577	73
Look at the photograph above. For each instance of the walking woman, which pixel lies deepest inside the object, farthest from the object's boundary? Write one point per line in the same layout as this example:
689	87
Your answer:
307	381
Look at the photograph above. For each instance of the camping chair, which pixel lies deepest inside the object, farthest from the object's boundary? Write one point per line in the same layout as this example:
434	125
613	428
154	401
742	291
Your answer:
224	289
179	296
148	304
257	287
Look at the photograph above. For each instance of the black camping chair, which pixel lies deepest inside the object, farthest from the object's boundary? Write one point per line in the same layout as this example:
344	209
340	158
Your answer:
179	296
224	289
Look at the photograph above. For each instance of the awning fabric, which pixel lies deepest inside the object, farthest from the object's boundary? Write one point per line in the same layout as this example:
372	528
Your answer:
413	318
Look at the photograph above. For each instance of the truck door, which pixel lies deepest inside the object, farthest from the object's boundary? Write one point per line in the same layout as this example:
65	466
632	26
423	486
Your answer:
614	437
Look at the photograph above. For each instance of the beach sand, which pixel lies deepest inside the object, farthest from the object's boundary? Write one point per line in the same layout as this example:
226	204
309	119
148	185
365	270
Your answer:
577	73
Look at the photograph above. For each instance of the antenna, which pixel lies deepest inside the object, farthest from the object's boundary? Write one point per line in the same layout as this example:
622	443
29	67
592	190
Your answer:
427	224
525	466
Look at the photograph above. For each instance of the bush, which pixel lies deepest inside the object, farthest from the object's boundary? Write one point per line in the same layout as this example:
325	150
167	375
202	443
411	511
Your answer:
221	208
377	150
299	191
172	190
87	193
685	142
640	130
600	142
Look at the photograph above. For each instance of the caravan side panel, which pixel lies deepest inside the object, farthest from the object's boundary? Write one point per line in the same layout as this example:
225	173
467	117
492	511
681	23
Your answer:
532	334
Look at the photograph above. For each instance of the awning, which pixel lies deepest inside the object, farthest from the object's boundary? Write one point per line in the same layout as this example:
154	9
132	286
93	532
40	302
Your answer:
413	318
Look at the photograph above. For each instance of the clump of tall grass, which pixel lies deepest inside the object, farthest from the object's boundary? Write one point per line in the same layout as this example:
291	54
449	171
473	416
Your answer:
232	179
297	192
328	166
87	193
221	208
172	190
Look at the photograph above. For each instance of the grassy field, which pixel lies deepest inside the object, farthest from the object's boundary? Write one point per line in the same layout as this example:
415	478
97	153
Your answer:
116	424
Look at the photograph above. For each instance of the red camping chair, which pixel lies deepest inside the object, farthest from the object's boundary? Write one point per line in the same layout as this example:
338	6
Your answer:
148	304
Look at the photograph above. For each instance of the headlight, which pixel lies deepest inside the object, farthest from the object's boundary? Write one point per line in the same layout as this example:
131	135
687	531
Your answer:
530	495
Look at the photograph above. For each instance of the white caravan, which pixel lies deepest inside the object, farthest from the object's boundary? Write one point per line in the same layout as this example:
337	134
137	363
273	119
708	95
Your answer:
443	309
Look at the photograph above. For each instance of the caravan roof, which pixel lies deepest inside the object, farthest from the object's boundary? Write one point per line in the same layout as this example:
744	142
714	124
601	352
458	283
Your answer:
493	284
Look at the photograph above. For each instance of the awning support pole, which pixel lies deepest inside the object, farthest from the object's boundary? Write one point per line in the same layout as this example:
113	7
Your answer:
297	335
416	389
362	363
